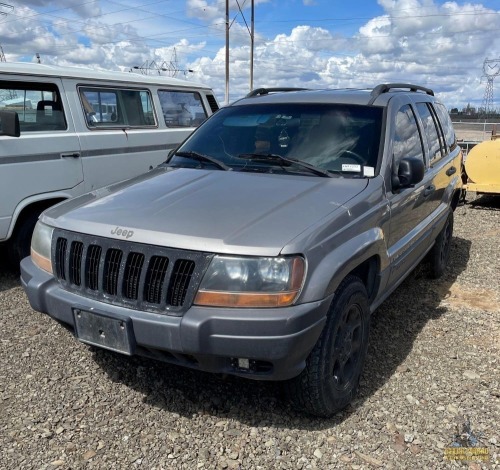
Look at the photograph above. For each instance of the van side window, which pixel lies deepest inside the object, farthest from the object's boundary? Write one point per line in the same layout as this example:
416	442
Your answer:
38	105
182	108
407	140
447	126
107	107
432	132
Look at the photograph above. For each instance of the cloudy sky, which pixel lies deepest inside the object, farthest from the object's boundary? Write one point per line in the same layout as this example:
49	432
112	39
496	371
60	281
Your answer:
306	43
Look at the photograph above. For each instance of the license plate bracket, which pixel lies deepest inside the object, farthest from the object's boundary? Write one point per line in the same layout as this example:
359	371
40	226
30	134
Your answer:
94	328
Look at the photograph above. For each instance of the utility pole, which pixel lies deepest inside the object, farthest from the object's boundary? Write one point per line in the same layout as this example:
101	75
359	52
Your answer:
251	31
227	53
252	37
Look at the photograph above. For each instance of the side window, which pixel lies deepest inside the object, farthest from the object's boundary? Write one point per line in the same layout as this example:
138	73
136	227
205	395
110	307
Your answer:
110	107
407	142
447	126
182	108
432	132
38	105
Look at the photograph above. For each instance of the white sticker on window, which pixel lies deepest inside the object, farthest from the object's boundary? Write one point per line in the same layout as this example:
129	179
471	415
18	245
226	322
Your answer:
368	171
351	167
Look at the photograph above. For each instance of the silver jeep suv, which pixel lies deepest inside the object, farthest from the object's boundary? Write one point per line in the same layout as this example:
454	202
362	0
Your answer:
263	244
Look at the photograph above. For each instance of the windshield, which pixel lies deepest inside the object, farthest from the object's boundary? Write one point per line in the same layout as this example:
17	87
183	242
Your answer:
338	138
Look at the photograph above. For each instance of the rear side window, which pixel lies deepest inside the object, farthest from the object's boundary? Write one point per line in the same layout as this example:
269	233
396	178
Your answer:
447	126
431	131
407	142
38	105
112	107
182	108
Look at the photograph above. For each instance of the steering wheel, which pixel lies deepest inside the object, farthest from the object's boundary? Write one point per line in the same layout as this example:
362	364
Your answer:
355	156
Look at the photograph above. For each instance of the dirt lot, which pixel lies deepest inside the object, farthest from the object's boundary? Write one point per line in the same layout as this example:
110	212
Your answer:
431	380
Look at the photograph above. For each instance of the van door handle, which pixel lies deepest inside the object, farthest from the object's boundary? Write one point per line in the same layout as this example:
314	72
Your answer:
70	155
429	190
451	171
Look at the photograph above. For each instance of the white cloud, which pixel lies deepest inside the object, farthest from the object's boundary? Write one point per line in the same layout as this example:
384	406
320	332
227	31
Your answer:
438	45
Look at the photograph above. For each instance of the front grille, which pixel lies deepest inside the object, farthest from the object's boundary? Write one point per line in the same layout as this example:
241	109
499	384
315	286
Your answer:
129	274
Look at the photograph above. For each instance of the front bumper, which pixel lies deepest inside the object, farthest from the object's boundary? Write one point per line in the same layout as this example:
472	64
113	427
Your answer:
276	341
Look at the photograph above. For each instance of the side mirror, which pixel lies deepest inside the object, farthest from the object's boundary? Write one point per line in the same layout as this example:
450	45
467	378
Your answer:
411	171
9	124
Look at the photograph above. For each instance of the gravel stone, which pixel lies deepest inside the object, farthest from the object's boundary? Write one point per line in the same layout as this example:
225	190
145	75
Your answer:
432	366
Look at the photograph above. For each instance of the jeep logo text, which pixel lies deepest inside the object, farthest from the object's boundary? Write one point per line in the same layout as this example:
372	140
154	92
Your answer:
122	232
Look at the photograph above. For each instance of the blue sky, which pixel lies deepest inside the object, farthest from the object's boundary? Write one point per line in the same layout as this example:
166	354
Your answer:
310	43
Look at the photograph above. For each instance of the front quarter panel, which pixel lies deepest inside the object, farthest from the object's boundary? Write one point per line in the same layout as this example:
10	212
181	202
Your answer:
354	233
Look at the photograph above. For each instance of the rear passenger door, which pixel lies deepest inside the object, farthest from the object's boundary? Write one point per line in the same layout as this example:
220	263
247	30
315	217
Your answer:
436	150
45	160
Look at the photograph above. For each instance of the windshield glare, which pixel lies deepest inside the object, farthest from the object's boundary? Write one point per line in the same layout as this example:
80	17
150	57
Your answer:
339	138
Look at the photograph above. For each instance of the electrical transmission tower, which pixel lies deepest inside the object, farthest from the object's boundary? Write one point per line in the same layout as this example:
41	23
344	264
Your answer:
2	13
491	69
170	68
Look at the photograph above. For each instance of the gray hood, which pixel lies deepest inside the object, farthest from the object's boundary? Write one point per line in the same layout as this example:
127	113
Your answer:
213	211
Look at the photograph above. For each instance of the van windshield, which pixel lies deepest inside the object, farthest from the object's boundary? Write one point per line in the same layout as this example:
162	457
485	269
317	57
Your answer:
335	137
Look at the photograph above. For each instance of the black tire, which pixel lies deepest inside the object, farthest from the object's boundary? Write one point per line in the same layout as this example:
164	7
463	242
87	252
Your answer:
20	242
331	377
440	253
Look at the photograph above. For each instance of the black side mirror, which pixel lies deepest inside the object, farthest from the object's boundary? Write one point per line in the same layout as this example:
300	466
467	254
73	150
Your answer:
411	171
9	124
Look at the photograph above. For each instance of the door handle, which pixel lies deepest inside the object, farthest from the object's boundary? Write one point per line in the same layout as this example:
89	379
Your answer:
429	190
70	155
451	171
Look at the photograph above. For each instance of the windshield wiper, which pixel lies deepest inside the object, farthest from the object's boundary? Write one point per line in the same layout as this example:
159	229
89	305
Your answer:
280	159
203	158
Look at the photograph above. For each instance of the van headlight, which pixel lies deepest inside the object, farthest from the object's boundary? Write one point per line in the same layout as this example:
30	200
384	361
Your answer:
251	282
40	246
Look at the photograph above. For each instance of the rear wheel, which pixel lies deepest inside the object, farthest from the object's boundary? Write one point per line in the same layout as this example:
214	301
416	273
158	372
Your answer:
331	377
440	253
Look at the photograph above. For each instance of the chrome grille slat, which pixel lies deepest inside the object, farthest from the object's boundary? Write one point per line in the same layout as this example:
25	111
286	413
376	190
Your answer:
133	269
92	269
112	270
128	274
60	259
181	276
154	281
75	263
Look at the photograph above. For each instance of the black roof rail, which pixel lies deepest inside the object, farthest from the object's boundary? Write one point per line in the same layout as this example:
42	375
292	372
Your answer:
266	91
385	87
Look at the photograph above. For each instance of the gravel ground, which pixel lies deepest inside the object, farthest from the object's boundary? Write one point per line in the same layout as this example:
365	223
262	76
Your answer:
432	366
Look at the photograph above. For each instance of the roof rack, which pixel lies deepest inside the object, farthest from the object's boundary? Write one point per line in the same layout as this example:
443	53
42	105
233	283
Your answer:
266	91
385	87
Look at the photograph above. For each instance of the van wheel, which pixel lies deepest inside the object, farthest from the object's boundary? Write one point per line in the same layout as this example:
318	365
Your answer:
20	242
440	253
331	377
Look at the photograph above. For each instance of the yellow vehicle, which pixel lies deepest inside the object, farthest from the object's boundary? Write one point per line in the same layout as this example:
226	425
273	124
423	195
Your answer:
482	166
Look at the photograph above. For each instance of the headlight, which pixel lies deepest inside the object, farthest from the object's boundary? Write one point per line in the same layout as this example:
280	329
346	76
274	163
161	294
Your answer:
40	246
251	282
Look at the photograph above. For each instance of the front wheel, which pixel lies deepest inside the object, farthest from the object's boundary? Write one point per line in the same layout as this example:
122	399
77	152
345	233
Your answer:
331	377
19	245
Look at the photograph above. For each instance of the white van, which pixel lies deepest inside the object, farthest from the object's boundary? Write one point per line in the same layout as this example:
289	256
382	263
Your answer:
82	129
